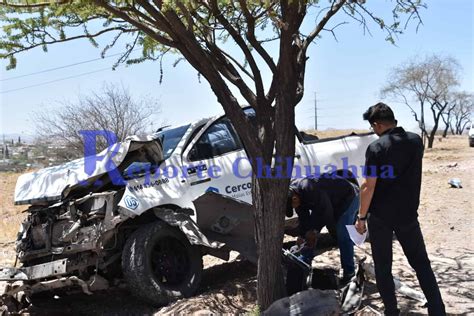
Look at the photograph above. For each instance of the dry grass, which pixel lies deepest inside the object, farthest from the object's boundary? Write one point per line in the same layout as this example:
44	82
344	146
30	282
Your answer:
449	149
10	214
335	132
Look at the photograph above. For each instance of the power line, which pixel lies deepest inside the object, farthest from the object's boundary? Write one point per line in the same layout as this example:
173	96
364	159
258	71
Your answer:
315	112
56	80
62	67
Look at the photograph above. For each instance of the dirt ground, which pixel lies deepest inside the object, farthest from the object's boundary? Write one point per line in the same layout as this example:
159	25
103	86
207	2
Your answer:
230	287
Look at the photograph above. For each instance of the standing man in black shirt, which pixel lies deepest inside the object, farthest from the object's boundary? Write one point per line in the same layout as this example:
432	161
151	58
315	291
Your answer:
392	199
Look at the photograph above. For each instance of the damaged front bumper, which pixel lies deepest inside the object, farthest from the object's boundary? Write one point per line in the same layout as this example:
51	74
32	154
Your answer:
36	272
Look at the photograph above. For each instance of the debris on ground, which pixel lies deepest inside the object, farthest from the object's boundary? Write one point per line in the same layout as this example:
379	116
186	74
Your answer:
400	287
353	292
455	183
367	311
309	302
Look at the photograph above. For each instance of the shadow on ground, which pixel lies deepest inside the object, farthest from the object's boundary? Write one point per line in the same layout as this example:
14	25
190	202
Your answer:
227	287
230	287
454	273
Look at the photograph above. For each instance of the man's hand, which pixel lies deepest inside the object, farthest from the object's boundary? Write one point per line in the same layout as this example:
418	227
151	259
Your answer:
361	226
311	238
299	241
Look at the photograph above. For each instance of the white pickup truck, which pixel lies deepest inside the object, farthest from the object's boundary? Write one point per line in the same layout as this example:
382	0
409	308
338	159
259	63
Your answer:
154	228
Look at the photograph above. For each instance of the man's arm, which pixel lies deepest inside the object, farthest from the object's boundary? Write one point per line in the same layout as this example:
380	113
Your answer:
303	220
324	213
366	193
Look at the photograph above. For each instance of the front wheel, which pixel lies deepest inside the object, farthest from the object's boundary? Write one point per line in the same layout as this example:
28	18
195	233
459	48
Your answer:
160	265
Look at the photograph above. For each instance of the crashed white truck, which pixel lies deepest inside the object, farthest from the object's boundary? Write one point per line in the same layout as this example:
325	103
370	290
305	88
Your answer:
83	230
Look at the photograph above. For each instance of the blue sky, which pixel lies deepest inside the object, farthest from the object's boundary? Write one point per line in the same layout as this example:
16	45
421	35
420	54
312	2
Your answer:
347	75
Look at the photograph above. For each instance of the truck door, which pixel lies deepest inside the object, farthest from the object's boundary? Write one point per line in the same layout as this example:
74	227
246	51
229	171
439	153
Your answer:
216	161
301	159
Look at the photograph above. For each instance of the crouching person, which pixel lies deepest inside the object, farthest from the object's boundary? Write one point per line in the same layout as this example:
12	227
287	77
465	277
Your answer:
330	201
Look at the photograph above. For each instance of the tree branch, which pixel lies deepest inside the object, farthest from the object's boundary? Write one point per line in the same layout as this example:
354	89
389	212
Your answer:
33	5
332	11
119	13
331	30
253	40
55	41
243	46
241	67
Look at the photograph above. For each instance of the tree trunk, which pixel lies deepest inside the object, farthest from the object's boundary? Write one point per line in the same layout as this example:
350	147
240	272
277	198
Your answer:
431	140
464	127
452	129
431	136
422	124
446	121
445	132
424	134
458	129
269	197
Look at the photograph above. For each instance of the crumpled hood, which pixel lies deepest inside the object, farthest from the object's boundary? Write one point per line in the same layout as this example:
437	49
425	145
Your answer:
58	182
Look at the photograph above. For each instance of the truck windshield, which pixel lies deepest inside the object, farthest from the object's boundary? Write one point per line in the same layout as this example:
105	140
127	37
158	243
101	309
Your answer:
170	138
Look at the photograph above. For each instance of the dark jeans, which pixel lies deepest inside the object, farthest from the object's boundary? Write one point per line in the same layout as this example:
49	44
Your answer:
344	241
413	246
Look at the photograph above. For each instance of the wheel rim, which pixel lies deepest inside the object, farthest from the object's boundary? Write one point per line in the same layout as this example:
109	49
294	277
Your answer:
169	261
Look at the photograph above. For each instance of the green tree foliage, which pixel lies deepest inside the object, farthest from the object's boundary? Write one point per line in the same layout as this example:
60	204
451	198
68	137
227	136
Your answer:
199	31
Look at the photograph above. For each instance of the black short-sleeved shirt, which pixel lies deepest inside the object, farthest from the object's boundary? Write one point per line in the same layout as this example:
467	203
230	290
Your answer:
396	160
323	201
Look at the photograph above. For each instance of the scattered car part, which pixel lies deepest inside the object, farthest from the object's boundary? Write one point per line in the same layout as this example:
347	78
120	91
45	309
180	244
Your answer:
455	183
400	287
353	292
307	303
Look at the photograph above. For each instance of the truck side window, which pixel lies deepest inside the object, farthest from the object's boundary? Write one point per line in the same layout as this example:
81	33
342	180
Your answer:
218	139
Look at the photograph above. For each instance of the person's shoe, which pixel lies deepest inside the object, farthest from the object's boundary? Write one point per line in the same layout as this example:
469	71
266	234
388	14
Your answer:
346	278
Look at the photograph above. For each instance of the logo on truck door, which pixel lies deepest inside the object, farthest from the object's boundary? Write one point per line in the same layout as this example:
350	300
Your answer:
239	191
131	202
238	188
212	189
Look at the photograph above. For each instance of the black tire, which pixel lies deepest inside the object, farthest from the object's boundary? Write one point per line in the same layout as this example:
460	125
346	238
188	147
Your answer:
160	265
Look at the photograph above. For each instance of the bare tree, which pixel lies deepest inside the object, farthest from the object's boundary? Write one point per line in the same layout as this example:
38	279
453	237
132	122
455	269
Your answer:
447	115
426	83
112	108
464	105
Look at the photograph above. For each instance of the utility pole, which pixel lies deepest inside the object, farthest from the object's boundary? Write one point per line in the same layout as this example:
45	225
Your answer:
315	112
4	147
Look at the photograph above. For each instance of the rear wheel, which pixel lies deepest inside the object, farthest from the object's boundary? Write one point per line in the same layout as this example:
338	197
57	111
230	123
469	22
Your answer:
160	265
